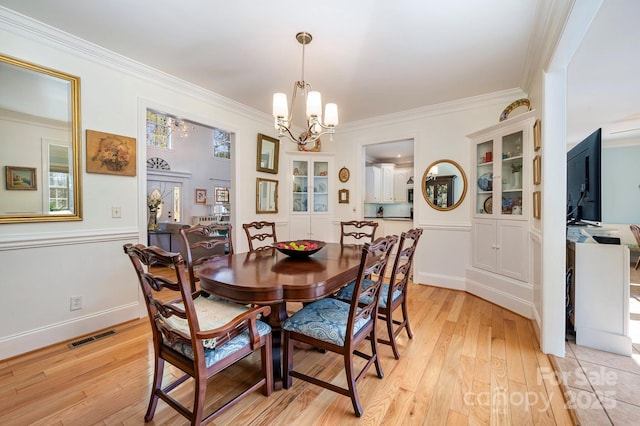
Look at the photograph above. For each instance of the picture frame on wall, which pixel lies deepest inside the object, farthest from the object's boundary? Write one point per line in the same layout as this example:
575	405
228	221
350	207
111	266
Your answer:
343	196
201	196
537	136
537	170
221	194
110	154
267	155
537	204
21	178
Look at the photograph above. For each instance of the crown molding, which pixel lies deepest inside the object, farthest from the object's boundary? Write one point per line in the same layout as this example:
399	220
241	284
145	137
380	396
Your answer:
503	97
25	26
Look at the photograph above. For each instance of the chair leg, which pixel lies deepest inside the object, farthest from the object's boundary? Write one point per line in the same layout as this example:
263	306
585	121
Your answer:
267	367
405	315
392	341
637	263
353	391
157	385
374	351
200	392
287	360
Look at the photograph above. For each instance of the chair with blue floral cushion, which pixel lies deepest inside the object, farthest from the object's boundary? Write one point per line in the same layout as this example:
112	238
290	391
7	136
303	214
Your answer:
394	293
338	326
198	335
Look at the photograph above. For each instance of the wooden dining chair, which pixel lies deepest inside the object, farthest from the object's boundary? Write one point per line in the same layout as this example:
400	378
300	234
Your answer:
198	335
203	242
357	231
393	294
337	326
635	230
263	233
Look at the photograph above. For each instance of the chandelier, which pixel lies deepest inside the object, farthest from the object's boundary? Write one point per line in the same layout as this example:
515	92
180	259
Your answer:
315	126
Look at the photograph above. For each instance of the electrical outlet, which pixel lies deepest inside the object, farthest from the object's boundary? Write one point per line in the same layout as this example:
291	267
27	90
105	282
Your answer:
75	303
116	212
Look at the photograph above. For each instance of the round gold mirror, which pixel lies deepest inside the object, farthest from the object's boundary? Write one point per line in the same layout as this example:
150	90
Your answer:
444	185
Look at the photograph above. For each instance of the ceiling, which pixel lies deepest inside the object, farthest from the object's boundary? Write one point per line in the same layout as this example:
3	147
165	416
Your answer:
371	57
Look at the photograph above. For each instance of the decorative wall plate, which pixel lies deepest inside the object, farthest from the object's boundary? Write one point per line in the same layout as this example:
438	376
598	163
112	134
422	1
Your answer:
157	163
344	174
524	103
485	182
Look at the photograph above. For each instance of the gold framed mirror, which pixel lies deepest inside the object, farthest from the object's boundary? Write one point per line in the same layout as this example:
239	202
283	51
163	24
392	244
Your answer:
39	131
268	153
266	195
444	185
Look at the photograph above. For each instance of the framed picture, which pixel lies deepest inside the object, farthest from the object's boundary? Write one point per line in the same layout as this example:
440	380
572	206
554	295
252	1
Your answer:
110	154
537	206
537	136
537	170
268	152
201	196
266	196
221	195
21	178
344	174
343	196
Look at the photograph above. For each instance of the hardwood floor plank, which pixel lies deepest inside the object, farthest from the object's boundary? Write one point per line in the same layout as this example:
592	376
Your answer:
464	351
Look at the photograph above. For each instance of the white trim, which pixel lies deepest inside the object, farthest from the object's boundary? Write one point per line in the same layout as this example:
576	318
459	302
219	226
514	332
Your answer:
66	238
30	340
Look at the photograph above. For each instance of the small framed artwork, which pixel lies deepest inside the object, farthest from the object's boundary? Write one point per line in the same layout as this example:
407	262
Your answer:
343	196
537	136
221	195
201	196
110	154
537	204
21	178
344	174
268	153
537	170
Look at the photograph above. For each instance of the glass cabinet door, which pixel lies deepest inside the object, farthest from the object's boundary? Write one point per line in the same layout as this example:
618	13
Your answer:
512	162
320	187
484	174
300	187
310	189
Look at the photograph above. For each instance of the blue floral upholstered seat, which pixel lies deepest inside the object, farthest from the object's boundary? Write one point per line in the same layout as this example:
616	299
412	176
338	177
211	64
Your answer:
339	326
398	281
199	335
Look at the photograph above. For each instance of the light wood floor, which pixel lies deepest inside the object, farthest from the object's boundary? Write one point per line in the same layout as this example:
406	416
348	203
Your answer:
470	362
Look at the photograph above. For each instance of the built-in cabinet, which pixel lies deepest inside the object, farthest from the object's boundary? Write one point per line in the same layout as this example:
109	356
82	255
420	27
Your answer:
400	178
386	184
501	194
310	202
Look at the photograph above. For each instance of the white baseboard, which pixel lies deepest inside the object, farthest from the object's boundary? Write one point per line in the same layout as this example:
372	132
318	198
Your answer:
444	281
501	298
18	344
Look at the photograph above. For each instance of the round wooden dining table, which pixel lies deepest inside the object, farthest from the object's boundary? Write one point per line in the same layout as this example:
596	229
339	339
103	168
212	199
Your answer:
272	278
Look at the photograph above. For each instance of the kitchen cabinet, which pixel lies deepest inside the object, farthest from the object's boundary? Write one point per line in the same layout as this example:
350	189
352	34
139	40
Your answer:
373	188
379	183
400	179
310	189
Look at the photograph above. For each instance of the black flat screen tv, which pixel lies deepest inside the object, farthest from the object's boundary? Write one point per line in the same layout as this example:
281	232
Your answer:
584	187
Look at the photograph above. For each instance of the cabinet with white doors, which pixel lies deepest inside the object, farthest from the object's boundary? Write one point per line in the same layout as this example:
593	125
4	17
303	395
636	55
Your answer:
310	192
501	193
379	183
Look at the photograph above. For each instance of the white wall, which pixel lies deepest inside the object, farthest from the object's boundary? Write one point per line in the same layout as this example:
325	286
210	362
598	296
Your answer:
44	264
438	132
